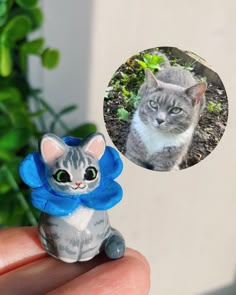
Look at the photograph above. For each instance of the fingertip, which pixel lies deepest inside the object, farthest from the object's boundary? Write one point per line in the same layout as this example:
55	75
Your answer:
136	254
129	275
19	246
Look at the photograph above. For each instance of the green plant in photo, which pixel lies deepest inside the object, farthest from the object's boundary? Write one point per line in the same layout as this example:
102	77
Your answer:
150	61
122	114
213	107
23	108
127	80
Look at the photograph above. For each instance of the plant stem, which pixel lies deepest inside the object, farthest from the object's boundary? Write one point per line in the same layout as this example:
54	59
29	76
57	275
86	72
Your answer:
19	196
41	119
51	111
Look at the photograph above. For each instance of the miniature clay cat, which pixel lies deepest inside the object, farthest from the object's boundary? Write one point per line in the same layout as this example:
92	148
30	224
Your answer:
85	232
163	125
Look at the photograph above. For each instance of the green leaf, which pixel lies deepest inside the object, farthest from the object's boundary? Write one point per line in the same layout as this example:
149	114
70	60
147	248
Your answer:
3	20
38	113
153	61
4	123
50	58
3	8
13	166
27	4
125	92
213	107
9	3
21	119
5	61
122	114
154	66
33	47
5	186
9	93
6	155
147	58
5	206
23	60
83	130
36	16
30	47
68	109
142	63
16	29
14	139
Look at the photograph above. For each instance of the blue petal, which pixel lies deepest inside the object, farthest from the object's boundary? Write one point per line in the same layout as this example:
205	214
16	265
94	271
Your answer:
72	141
37	198
110	163
30	170
105	197
53	204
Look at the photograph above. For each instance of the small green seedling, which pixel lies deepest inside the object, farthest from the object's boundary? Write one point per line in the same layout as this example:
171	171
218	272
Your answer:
151	62
213	107
122	114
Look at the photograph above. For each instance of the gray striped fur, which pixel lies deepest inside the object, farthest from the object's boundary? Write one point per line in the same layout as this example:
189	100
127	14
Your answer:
66	242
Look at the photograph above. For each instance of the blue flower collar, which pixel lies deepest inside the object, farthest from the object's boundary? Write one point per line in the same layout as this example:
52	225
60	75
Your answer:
33	172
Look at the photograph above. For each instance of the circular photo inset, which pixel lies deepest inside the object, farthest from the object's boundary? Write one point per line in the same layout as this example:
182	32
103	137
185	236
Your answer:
165	109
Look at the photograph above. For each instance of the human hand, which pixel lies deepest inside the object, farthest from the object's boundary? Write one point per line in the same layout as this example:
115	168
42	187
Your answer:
25	268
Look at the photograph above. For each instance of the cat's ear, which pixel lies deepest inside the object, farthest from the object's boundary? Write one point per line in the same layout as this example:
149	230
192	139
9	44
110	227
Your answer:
151	80
95	145
51	147
196	91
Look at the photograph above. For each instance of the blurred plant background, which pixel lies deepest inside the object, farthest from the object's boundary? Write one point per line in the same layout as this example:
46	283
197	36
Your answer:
22	107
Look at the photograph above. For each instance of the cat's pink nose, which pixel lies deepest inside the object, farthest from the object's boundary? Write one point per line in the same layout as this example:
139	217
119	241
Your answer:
78	183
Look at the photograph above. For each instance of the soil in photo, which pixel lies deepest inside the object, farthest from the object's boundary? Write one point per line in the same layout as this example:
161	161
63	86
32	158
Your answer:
121	100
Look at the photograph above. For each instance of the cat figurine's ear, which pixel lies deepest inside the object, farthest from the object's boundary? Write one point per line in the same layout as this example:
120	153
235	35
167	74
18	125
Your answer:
196	91
151	80
95	145
51	147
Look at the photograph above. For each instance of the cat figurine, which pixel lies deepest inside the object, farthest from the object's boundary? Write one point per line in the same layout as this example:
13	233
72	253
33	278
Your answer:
163	125
73	172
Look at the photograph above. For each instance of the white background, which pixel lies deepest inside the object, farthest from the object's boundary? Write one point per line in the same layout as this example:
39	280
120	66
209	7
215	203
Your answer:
183	222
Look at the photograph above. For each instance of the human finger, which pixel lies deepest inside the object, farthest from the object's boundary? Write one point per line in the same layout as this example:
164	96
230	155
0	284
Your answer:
43	275
19	246
129	275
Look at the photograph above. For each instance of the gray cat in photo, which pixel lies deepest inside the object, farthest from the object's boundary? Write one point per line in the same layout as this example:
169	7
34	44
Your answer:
163	125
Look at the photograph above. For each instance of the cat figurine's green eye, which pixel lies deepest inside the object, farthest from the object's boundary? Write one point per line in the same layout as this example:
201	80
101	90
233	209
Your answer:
73	186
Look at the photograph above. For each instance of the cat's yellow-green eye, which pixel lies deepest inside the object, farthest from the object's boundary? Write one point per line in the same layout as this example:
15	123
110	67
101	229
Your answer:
175	110
153	104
